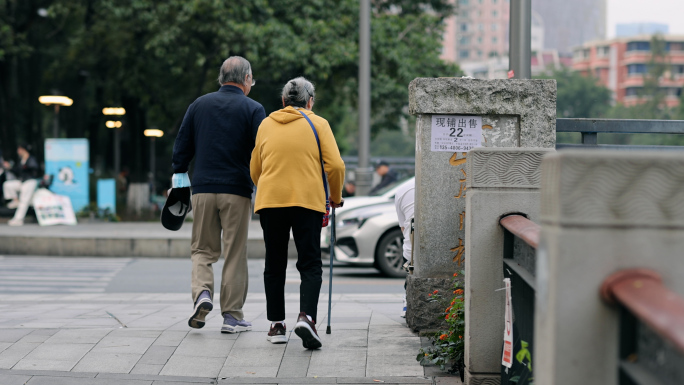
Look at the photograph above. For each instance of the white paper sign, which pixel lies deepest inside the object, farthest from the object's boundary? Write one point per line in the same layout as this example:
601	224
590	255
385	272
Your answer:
52	209
507	359
456	133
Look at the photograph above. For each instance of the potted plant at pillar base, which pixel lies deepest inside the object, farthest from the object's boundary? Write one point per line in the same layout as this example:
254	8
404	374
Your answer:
447	345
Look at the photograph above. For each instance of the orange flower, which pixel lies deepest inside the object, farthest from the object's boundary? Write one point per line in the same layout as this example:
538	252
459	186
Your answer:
461	337
459	291
435	292
430	295
447	309
447	316
443	337
455	274
453	302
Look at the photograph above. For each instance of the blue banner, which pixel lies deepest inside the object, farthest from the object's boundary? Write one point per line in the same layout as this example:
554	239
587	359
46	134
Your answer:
67	161
106	195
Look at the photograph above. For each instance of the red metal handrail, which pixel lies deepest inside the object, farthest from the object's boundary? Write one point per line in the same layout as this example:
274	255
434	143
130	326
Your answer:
522	228
642	292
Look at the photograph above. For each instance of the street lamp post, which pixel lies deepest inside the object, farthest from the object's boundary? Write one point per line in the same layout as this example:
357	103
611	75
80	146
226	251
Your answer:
152	134
116	125
56	101
364	173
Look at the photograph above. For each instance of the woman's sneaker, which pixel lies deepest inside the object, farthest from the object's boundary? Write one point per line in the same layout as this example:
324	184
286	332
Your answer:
306	330
277	334
234	325
202	307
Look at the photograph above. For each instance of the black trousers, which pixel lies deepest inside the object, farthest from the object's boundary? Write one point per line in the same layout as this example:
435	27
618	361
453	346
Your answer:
306	229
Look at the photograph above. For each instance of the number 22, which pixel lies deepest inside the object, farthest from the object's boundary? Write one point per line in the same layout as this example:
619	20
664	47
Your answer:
459	135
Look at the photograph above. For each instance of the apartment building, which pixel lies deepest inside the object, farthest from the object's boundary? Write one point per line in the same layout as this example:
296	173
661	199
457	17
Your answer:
621	64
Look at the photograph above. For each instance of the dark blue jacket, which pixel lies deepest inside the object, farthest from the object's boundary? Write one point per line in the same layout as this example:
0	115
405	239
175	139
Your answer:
219	130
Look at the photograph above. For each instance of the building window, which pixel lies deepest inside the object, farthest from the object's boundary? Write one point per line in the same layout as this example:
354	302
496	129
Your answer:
676	46
494	26
635	69
494	40
463	2
632	91
639	46
602	51
495	14
464	27
463	54
597	73
493	1
464	40
678	69
480	27
479	40
479	53
463	14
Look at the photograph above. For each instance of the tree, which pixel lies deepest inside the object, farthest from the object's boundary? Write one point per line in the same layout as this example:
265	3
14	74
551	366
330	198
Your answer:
154	58
579	96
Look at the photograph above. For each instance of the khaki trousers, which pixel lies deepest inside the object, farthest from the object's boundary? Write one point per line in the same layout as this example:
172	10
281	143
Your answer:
221	219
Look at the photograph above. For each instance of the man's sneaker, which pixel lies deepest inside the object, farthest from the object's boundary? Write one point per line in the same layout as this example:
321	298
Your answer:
277	334
306	330
233	325
202	307
403	309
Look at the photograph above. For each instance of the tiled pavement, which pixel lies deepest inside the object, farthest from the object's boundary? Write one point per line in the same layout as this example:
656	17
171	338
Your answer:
144	339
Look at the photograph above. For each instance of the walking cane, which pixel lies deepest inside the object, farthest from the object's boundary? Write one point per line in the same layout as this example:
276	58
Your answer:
332	257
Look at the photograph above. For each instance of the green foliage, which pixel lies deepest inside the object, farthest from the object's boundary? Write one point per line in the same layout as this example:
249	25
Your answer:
579	96
448	345
154	58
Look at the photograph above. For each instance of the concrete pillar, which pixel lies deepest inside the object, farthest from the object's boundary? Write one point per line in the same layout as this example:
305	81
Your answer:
500	181
600	212
515	113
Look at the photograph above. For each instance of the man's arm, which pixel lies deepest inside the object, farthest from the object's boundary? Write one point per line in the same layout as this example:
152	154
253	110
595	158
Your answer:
184	147
257	117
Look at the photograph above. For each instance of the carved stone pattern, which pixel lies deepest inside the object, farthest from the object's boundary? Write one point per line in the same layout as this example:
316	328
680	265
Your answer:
510	168
609	189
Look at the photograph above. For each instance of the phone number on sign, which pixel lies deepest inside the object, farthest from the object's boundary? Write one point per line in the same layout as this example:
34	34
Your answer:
455	148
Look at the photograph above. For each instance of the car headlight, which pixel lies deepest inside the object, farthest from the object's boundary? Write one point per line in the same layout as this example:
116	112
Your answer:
354	221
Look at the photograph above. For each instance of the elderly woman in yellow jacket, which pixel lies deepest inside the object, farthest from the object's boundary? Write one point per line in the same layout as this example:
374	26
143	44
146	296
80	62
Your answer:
286	168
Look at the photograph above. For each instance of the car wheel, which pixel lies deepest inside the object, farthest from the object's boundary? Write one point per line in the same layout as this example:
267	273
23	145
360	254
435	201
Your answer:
389	254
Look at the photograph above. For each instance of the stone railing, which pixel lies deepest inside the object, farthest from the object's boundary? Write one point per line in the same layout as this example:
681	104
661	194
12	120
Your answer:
583	303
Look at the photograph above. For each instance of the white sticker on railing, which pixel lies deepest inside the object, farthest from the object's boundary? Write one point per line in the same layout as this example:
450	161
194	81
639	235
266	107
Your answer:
456	133
507	359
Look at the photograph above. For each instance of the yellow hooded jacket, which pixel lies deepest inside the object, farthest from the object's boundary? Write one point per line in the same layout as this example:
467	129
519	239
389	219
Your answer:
285	164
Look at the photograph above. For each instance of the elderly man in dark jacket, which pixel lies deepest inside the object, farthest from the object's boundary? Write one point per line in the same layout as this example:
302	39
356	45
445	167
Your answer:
19	191
218	131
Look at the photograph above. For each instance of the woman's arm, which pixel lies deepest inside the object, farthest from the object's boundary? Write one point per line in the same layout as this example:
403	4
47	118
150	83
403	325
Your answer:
334	165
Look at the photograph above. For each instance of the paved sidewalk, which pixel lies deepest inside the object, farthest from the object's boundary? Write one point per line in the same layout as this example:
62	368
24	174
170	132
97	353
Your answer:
144	339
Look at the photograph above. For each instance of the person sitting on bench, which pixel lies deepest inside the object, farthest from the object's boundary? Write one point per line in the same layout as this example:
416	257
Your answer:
20	191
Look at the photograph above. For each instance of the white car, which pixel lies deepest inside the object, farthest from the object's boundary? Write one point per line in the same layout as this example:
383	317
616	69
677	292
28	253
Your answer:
368	233
382	196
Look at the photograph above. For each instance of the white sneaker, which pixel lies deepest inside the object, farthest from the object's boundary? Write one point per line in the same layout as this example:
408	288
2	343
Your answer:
15	222
403	308
13	204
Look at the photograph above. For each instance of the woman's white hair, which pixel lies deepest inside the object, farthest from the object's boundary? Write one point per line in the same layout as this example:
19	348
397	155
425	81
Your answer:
297	92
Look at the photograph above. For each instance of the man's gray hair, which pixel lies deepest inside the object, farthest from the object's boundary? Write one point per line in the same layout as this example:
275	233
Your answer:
233	70
297	92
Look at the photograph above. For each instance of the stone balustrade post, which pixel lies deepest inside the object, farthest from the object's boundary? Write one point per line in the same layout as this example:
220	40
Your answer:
513	113
501	181
601	212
